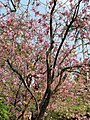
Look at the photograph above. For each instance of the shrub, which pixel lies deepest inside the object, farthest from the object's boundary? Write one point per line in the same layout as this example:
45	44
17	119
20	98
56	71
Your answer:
4	111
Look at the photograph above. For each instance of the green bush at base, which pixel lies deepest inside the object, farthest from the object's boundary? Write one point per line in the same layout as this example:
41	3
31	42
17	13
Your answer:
4	111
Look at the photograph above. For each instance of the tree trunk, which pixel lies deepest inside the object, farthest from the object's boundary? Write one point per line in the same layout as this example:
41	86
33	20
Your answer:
43	106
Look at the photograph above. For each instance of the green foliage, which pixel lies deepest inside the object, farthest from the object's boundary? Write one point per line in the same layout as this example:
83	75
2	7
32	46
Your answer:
65	114
56	115
67	108
4	111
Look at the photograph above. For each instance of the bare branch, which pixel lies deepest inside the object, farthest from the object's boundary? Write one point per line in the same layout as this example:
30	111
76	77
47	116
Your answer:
51	29
14	6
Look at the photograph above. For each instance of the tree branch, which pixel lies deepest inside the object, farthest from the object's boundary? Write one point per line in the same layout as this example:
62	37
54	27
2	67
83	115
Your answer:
48	59
21	78
65	35
61	73
51	29
14	6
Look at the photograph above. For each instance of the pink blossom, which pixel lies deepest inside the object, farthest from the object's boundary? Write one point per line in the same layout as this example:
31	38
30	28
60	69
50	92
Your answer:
36	13
88	6
9	21
86	59
66	12
16	1
37	4
15	24
44	16
27	34
1	5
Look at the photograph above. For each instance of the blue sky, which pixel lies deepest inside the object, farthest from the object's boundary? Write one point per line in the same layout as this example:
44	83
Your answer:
23	4
41	9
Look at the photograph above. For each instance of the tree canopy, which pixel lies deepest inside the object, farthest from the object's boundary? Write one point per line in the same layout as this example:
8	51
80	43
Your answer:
44	50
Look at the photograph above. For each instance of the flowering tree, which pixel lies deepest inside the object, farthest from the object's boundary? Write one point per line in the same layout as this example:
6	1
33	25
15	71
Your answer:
37	53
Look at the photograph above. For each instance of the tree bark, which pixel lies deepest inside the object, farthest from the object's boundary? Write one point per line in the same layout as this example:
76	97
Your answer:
43	106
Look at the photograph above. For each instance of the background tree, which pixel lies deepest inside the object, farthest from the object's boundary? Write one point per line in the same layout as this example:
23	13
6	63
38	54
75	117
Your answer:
36	53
